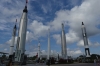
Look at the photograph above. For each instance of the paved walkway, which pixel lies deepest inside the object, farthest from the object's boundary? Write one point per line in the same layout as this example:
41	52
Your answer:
76	64
40	64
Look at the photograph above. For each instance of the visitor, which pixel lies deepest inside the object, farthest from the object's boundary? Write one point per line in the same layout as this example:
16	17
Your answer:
2	63
9	63
98	62
94	62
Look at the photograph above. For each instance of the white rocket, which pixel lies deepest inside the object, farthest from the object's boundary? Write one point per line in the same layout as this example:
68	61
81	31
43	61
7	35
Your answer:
13	40
87	52
20	48
39	50
63	43
48	56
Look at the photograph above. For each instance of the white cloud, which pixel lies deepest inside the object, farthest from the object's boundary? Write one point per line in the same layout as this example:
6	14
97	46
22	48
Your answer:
31	53
71	37
74	2
29	38
32	50
38	28
2	27
44	9
77	52
81	43
74	52
87	12
12	8
47	7
57	37
4	48
92	44
96	44
38	18
10	41
10	11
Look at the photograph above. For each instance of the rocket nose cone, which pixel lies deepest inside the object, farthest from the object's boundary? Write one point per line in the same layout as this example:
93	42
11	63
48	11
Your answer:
15	27
82	23
62	24
25	9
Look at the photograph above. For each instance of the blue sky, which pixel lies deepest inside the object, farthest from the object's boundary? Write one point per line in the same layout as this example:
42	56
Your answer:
44	14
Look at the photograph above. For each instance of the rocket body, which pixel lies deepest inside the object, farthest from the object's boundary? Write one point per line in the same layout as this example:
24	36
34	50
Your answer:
48	56
13	41
63	44
20	48
39	50
87	52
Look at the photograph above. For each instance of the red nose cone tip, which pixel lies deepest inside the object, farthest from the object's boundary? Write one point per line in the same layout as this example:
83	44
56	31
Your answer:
82	23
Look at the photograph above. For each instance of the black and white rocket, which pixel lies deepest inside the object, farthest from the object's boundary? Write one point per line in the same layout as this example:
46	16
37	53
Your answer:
87	52
20	48
13	40
63	43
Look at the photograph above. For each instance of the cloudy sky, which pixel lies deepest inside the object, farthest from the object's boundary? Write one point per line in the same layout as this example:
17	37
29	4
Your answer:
44	14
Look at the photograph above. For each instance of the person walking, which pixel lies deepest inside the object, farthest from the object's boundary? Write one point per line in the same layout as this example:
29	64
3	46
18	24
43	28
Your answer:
9	63
2	63
98	62
94	62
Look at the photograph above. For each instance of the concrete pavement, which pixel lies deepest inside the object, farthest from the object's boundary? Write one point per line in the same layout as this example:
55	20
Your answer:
76	64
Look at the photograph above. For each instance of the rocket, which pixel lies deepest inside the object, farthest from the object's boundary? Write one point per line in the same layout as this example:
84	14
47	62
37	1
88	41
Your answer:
20	48
48	56
87	52
39	50
13	40
63	43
